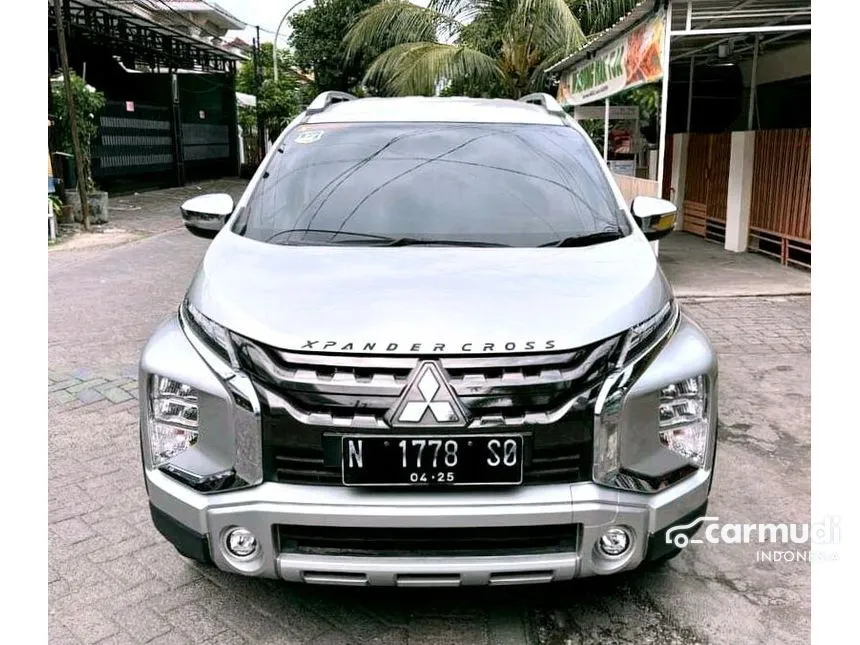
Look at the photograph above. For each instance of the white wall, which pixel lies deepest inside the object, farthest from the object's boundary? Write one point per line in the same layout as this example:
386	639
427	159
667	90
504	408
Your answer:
739	191
790	62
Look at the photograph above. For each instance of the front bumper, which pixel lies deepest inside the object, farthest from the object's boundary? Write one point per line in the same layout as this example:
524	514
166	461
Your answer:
197	523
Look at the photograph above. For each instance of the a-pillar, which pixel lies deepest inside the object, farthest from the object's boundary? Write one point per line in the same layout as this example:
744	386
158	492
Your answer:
740	191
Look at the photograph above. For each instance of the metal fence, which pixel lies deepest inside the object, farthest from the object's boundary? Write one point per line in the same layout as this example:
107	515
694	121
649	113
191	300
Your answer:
186	131
133	140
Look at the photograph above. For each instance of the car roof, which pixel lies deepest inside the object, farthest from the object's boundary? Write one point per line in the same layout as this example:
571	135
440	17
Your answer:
433	108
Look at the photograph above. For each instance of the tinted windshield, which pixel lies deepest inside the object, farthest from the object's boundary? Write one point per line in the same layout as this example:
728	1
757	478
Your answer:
366	183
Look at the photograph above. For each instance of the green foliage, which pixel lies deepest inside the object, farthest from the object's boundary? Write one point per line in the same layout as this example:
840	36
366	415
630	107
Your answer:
647	97
473	47
277	102
317	37
88	101
56	204
597	15
594	129
247	118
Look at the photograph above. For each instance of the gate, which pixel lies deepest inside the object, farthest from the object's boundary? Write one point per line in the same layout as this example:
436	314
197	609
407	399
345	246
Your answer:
134	143
166	130
209	130
780	218
707	185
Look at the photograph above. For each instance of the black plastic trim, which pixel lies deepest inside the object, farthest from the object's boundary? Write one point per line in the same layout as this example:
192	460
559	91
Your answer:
657	547
187	542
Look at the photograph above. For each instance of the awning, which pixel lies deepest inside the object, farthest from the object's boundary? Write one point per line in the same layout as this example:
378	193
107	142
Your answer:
701	25
127	29
246	100
692	30
600	40
727	29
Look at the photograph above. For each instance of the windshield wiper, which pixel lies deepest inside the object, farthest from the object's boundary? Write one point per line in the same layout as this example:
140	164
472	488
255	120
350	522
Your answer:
414	241
368	238
333	233
587	240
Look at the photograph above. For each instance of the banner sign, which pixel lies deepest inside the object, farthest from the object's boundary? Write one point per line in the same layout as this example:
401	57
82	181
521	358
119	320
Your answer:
632	60
616	112
623	167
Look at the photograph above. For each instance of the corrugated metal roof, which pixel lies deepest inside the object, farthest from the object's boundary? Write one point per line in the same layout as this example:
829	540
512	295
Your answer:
597	41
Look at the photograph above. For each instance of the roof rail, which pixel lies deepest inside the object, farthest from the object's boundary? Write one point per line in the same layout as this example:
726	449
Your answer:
322	101
544	100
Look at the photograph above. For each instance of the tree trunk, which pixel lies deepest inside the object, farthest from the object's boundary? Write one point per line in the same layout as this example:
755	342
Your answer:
83	180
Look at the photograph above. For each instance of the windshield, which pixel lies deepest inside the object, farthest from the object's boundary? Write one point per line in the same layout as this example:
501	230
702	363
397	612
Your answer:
424	183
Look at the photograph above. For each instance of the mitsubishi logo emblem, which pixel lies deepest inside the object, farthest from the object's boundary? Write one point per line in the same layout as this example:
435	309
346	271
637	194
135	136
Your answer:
428	400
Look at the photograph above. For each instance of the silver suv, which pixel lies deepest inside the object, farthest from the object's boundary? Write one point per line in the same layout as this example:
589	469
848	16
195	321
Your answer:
431	345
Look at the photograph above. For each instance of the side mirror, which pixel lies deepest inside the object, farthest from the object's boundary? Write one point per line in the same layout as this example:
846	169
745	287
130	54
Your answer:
656	217
205	215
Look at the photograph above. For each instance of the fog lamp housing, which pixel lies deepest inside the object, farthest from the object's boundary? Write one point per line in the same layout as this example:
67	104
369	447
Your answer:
241	543
614	542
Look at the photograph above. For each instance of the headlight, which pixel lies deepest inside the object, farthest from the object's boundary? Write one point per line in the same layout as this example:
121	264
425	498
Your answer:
173	426
683	422
641	336
216	336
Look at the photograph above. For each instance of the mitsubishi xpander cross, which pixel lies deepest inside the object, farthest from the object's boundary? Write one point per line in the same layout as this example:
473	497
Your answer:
430	345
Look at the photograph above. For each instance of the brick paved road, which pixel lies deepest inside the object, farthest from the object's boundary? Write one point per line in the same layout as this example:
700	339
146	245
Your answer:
113	579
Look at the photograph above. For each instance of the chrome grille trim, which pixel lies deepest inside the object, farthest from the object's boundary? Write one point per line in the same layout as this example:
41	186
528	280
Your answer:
478	384
529	418
348	360
502	361
340	382
368	421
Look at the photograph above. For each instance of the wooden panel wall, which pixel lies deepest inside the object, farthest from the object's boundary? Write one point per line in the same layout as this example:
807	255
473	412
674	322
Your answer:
718	175
630	187
781	195
707	183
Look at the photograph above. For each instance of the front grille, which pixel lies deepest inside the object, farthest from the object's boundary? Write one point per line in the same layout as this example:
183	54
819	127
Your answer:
310	400
357	391
373	541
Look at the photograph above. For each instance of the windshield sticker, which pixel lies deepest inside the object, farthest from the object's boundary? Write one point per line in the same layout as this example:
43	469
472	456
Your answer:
309	136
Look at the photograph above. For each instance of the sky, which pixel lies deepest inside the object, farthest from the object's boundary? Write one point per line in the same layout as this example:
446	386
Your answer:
267	14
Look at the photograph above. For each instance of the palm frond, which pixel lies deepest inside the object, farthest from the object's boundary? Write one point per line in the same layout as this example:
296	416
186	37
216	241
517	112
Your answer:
597	15
466	11
395	22
419	67
550	22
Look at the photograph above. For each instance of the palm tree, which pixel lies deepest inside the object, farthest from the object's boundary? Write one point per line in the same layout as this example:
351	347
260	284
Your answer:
501	44
596	15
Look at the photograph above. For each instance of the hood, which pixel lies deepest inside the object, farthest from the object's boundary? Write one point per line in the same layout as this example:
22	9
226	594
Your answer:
425	300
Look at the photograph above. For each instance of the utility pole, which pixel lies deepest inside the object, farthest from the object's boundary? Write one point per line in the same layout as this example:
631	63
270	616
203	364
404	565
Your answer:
83	172
258	85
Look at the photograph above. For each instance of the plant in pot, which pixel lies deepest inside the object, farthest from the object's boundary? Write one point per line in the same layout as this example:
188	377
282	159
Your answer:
88	101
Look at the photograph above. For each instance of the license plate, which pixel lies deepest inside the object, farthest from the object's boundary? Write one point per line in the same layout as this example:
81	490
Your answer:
467	460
